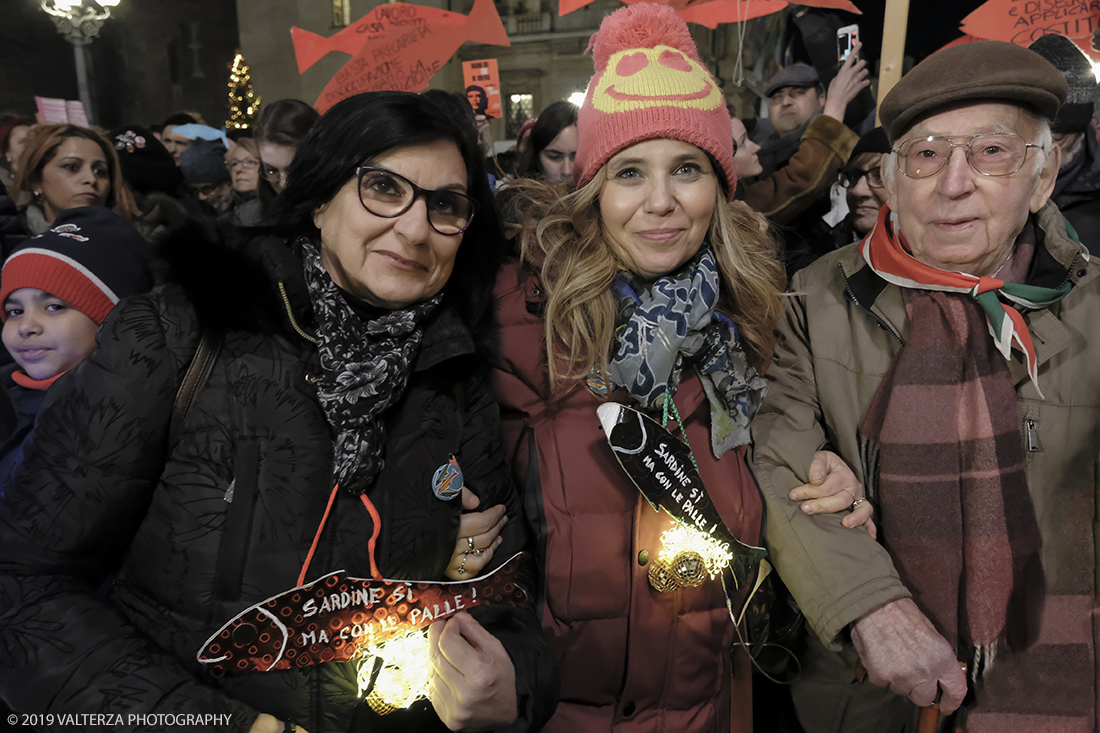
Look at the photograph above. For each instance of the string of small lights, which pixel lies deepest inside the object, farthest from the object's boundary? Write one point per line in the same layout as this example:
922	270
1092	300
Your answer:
244	105
395	673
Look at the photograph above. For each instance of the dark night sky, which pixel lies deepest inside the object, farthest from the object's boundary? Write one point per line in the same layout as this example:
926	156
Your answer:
932	23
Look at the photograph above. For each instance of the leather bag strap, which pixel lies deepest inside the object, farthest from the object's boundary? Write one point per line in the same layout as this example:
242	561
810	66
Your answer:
193	381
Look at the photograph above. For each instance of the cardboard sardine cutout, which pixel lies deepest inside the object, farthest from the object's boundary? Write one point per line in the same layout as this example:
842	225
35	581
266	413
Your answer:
660	466
397	47
336	616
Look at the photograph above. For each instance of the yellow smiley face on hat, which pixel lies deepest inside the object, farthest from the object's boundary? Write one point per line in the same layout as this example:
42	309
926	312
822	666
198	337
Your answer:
638	78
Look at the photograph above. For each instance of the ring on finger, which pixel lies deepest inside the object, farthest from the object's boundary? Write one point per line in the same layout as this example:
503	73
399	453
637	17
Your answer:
470	542
480	551
856	503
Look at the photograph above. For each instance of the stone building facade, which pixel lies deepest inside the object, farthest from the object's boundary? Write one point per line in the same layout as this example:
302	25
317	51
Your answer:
150	59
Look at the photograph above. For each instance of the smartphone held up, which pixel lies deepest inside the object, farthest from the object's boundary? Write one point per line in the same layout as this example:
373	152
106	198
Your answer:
846	38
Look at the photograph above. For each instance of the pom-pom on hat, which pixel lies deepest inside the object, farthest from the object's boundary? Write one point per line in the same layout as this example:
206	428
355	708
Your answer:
650	84
91	257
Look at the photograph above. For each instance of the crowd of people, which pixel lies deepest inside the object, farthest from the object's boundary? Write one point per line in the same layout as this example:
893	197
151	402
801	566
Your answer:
239	363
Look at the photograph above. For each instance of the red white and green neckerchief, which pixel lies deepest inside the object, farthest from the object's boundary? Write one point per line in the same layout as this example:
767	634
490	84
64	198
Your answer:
884	250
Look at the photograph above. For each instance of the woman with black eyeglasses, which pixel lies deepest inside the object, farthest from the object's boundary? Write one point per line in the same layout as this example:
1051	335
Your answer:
861	177
348	371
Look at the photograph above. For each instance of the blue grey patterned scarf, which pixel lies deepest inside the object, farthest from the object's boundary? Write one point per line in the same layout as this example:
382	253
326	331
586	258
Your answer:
676	318
365	365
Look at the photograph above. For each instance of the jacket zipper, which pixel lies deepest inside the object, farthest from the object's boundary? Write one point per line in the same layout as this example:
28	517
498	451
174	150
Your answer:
290	315
878	319
1032	430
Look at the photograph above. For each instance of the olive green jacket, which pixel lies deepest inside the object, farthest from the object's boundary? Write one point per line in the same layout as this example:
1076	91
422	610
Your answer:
840	332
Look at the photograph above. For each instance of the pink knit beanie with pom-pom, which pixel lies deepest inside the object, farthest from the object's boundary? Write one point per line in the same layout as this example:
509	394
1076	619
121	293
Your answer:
649	84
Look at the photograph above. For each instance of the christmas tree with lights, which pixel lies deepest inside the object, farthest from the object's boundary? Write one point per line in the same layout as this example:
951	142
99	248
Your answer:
244	105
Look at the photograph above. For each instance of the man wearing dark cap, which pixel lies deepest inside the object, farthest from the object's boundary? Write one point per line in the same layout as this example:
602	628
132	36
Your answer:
1077	190
205	172
802	148
950	359
795	97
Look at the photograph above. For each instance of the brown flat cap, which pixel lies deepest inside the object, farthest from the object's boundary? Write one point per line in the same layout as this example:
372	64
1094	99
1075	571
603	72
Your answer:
981	71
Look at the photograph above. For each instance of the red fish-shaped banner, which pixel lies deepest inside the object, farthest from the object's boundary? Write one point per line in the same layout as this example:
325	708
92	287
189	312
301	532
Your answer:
712	12
397	47
1024	21
335	617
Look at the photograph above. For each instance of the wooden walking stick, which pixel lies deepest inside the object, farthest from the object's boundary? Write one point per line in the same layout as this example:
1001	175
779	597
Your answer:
930	716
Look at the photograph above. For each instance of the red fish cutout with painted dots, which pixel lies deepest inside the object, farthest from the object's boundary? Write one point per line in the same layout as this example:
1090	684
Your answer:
334	618
396	47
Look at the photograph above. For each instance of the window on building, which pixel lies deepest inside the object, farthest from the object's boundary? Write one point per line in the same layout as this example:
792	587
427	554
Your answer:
520	108
341	13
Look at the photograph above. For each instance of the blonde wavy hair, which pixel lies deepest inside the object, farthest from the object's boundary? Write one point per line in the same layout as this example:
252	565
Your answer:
562	239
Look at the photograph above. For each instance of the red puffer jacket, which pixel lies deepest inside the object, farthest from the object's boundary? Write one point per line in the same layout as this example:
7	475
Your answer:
632	659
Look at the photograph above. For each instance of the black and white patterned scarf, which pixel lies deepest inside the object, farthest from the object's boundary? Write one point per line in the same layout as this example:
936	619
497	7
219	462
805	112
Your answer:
677	318
365	366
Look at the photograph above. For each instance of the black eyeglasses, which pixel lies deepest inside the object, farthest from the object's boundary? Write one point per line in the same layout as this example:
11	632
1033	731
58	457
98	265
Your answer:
386	194
849	179
994	154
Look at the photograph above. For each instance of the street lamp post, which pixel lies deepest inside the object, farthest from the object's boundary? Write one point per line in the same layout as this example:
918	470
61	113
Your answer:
79	21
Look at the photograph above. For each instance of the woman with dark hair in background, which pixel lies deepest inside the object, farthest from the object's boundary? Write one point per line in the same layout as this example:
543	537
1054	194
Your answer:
13	136
553	144
65	166
353	346
282	124
154	179
548	156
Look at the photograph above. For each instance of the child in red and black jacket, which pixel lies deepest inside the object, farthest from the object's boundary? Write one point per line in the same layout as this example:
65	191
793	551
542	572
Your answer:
56	289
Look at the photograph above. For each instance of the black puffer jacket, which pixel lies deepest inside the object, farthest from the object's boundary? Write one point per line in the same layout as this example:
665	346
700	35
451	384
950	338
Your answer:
223	520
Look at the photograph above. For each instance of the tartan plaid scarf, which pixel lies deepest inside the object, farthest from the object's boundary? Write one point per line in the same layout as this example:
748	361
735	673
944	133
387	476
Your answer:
883	249
956	511
943	456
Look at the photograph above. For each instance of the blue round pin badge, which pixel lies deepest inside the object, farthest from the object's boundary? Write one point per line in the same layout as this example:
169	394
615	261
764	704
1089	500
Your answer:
447	481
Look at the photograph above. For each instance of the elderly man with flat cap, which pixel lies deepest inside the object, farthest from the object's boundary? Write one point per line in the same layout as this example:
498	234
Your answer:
951	358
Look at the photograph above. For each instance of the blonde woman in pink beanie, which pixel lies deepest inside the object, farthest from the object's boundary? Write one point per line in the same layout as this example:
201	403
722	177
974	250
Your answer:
642	282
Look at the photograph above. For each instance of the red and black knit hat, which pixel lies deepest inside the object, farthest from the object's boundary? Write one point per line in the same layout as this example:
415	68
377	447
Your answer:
91	257
650	84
